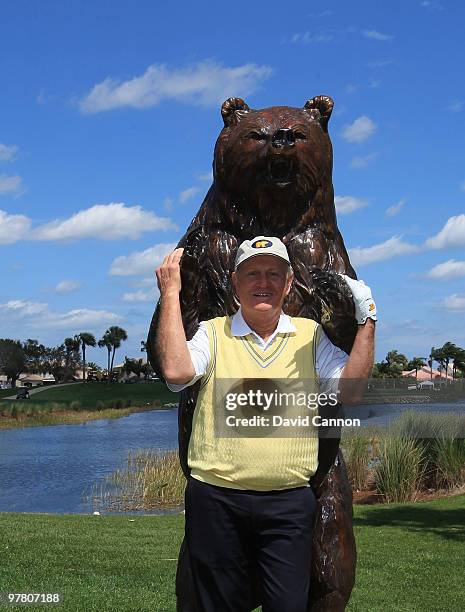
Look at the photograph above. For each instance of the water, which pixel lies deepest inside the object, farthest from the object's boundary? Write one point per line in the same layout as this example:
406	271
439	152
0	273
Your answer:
385	414
47	469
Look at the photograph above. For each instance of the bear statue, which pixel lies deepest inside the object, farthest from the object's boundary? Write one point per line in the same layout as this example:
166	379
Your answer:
273	176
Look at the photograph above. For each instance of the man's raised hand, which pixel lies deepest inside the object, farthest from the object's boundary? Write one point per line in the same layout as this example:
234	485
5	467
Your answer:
169	274
365	306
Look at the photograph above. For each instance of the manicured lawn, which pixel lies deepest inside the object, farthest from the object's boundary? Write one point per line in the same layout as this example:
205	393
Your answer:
8	392
410	558
90	393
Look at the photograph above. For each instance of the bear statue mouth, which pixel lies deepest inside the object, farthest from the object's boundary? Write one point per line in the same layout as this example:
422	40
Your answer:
281	172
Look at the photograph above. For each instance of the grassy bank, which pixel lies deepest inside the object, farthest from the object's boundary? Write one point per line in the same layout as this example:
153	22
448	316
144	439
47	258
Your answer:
82	402
89	393
410	557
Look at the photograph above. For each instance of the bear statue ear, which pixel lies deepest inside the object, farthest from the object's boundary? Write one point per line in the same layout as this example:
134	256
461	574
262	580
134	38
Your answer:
320	108
232	110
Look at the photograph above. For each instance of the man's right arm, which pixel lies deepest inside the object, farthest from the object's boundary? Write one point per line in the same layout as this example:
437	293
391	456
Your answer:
171	345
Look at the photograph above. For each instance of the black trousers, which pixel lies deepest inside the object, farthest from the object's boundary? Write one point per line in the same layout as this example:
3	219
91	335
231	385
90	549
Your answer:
235	536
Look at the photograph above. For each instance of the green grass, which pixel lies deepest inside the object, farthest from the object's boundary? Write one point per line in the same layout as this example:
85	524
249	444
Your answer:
91	393
8	392
410	557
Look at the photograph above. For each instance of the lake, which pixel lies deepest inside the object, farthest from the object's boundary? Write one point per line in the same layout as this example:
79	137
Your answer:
47	469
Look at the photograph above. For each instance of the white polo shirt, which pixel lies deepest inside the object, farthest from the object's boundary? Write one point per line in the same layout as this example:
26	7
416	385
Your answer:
330	359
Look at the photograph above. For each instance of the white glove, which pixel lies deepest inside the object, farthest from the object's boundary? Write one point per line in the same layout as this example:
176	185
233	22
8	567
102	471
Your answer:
365	306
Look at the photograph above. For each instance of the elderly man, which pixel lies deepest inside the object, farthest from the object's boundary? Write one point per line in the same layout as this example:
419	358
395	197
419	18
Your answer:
249	507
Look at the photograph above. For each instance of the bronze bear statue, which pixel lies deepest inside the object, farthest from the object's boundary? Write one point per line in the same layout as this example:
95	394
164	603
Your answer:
273	176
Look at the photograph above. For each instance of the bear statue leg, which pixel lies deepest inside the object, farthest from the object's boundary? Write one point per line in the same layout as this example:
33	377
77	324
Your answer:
333	553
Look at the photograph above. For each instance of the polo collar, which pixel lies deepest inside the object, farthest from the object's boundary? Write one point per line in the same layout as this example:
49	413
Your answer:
240	328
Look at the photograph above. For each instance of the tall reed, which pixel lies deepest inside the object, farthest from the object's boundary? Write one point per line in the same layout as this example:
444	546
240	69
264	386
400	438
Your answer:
356	449
149	480
399	473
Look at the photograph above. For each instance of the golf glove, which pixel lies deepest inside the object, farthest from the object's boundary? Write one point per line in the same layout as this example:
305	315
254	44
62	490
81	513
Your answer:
365	306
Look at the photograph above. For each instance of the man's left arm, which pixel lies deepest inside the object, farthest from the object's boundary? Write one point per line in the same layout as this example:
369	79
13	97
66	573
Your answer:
360	362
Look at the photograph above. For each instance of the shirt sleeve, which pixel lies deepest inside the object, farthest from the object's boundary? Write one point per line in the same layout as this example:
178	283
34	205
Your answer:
330	361
199	349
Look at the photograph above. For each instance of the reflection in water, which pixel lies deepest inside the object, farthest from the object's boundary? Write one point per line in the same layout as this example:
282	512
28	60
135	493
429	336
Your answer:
47	469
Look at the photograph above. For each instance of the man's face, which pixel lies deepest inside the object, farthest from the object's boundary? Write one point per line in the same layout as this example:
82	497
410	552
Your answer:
261	283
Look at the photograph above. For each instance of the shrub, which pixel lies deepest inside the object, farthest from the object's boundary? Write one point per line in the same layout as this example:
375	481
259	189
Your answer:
449	458
75	405
357	455
149	480
399	472
99	405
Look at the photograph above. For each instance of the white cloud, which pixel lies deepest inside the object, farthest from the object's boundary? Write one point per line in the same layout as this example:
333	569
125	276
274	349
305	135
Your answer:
351	88
363	162
7	153
306	38
187	194
395	208
380	63
10	184
432	5
39	315
23	308
452	234
447	270
104	221
454	302
67	286
361	129
375	35
208	176
141	262
140	296
204	84
13	227
168	204
455	106
380	252
347	204
80	318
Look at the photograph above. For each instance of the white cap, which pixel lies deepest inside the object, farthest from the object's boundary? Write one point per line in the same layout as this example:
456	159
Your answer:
261	245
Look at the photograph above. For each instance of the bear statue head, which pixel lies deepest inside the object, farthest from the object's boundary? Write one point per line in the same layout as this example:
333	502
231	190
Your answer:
276	159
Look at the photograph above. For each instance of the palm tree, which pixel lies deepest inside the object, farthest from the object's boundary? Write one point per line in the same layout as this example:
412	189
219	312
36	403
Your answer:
71	346
459	361
106	342
415	364
85	339
437	354
116	335
449	350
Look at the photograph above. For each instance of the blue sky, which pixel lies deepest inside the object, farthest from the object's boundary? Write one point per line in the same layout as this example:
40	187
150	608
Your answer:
108	118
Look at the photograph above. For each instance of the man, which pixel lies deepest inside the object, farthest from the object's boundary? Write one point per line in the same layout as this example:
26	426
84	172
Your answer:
248	504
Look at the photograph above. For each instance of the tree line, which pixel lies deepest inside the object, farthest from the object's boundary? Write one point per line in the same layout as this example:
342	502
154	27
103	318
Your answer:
395	363
61	361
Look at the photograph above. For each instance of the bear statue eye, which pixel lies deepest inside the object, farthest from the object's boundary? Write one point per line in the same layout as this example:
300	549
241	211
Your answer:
300	135
256	135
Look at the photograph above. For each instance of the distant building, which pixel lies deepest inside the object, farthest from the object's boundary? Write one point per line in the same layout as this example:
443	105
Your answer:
424	373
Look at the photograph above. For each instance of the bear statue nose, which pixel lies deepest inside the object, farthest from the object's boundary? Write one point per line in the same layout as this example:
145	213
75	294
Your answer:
284	137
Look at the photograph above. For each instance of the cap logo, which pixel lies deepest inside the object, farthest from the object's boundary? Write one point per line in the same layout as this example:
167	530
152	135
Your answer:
261	244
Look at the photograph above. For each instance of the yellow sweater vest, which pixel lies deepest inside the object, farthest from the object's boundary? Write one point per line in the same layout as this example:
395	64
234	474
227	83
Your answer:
260	464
